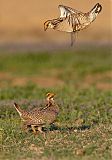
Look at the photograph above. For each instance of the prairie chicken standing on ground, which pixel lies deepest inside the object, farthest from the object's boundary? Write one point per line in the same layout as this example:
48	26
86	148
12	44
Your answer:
39	117
72	20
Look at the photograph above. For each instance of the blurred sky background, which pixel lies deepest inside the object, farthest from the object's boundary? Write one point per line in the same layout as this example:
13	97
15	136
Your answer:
21	24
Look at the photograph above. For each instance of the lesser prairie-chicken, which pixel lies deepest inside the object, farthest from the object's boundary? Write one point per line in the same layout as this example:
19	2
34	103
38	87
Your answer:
39	117
72	20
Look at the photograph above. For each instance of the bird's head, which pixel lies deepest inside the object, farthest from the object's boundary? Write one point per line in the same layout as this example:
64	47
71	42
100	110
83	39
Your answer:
50	96
96	9
48	24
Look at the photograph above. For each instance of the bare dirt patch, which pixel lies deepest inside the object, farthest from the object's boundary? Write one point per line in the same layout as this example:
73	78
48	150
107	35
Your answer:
104	86
22	81
4	75
99	80
91	78
40	81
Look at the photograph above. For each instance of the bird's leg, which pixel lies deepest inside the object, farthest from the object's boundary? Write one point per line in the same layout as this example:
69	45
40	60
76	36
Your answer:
76	35
25	127
40	129
72	38
33	128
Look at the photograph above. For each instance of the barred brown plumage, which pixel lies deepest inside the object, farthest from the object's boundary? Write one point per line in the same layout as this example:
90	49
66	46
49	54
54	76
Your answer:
39	117
72	20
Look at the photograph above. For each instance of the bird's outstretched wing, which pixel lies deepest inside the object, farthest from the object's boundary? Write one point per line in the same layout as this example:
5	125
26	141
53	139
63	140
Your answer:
66	11
72	21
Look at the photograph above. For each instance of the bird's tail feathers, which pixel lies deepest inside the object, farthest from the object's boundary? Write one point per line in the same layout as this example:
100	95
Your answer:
97	8
17	107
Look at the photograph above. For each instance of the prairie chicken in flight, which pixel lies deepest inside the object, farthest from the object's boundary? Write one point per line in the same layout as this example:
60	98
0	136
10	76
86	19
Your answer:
72	20
39	117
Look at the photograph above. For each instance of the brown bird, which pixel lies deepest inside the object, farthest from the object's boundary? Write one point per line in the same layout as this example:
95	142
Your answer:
39	117
72	20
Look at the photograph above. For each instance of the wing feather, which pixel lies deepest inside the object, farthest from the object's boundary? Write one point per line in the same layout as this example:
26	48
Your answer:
65	25
66	11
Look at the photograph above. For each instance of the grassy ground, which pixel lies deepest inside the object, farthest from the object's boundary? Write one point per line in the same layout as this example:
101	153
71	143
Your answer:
82	83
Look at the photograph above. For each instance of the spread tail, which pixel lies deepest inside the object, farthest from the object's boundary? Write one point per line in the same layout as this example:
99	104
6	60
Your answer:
19	110
97	8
